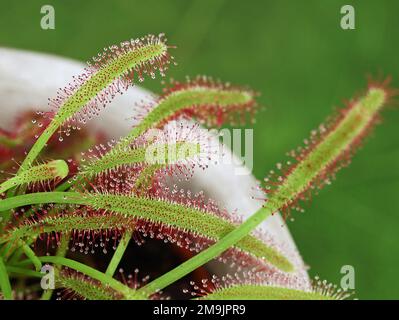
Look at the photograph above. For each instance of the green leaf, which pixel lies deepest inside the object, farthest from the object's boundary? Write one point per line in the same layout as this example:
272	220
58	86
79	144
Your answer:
110	73
85	287
260	292
202	98
53	170
197	221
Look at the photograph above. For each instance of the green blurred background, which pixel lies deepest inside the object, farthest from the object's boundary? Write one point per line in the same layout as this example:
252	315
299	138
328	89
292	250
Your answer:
304	64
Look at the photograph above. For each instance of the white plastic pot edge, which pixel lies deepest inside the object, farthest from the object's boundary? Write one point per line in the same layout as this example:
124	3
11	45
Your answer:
28	79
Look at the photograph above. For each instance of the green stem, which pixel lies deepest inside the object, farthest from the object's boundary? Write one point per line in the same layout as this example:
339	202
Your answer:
190	219
76	180
93	273
5	281
172	276
41	197
39	145
24	272
4	250
31	255
61	252
63	248
117	257
206	255
23	264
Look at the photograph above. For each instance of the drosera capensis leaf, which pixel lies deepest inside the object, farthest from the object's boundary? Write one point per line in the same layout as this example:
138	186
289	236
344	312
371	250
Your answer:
50	171
203	98
342	138
77	223
161	212
258	292
250	285
118	254
109	74
208	101
177	149
78	285
193	220
23	271
164	154
118	286
330	151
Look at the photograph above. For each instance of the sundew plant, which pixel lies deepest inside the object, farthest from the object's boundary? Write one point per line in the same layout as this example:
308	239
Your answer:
125	192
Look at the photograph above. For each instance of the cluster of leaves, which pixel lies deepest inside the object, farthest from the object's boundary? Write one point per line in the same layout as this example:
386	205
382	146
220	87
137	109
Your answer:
122	190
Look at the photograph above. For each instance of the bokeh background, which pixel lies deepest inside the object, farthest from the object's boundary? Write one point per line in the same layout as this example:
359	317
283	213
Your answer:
304	64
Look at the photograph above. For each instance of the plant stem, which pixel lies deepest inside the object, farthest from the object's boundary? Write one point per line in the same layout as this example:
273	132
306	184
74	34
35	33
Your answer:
117	257
63	248
41	197
39	145
206	255
24	272
5	281
31	255
5	250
